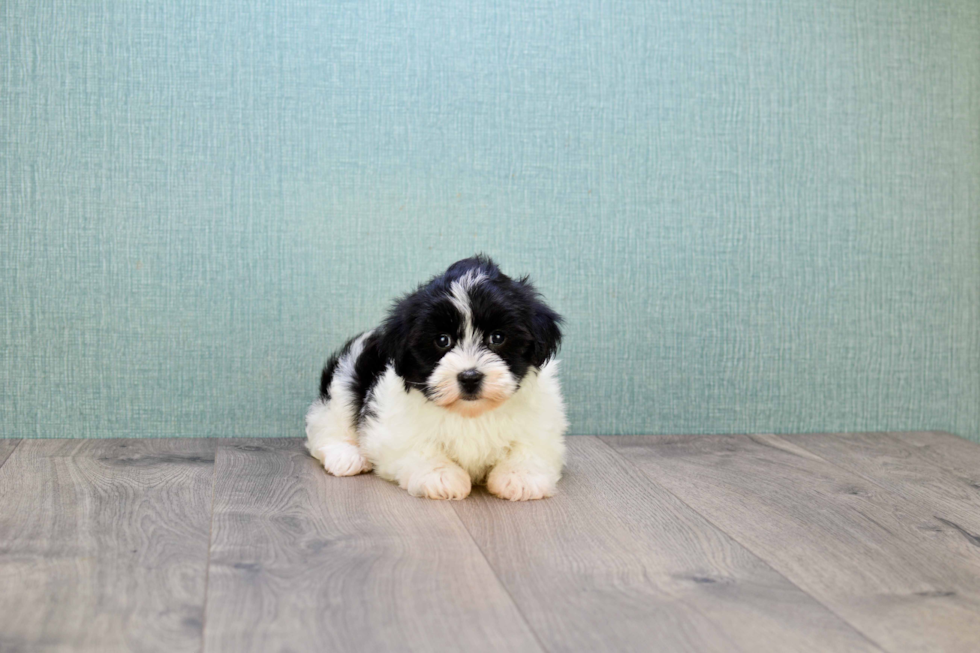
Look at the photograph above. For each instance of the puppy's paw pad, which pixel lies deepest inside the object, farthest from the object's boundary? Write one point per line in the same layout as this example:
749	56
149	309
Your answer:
343	459
519	485
443	482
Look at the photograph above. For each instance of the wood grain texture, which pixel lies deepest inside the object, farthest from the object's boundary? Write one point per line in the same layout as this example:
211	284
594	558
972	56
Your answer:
803	543
302	561
613	562
6	448
948	489
877	561
952	453
104	544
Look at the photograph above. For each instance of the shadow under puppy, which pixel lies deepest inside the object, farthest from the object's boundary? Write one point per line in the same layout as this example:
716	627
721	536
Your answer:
458	386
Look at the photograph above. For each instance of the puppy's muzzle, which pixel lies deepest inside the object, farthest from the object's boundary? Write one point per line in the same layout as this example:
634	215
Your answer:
469	383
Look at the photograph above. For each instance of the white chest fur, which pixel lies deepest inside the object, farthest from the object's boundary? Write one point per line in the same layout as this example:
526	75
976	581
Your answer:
530	423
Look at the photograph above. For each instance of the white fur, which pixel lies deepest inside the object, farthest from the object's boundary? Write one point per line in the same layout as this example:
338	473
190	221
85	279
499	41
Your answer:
498	383
331	432
409	435
517	448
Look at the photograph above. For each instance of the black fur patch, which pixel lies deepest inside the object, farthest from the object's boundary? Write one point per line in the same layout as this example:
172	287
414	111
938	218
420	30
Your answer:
499	303
368	369
408	336
326	376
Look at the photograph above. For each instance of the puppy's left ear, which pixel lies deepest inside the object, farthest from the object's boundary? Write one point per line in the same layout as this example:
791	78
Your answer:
544	327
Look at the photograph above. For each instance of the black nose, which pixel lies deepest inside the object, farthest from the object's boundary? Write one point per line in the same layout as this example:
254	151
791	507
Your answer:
470	380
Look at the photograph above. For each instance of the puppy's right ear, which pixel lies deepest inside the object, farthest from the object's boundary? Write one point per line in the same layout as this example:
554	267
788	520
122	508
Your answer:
395	335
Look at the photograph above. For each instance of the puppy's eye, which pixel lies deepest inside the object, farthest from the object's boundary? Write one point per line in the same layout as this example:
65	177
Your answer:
497	338
444	341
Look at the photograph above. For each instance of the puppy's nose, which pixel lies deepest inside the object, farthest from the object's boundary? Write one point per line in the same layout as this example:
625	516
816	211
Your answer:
470	380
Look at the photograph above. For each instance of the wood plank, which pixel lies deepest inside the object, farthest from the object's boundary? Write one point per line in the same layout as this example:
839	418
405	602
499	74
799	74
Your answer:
303	561
875	560
103	545
952	498
6	448
613	562
954	454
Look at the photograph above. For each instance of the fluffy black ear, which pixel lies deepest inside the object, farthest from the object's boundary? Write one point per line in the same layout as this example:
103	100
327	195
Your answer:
544	327
395	335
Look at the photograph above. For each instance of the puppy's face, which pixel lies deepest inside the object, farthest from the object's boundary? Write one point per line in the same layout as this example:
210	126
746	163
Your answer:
468	337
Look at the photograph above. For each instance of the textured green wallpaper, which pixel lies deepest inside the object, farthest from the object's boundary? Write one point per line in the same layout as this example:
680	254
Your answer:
755	215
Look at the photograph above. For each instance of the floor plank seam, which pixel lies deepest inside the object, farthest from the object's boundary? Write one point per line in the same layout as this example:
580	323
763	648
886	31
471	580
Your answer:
746	546
862	475
972	538
503	586
10	453
207	567
869	479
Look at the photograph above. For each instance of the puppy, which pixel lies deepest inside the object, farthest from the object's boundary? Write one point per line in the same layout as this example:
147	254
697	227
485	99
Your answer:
458	386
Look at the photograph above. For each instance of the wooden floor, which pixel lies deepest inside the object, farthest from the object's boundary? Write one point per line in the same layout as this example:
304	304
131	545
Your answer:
865	542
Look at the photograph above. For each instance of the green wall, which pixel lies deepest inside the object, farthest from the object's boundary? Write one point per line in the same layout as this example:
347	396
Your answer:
756	215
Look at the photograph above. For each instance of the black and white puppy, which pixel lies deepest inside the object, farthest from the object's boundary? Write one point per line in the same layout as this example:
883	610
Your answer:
458	386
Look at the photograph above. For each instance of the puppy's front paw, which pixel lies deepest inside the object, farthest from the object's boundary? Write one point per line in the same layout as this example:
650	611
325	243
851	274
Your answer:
342	459
445	481
519	484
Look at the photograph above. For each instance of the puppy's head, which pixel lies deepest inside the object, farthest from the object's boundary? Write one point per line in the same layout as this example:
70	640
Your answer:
468	336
